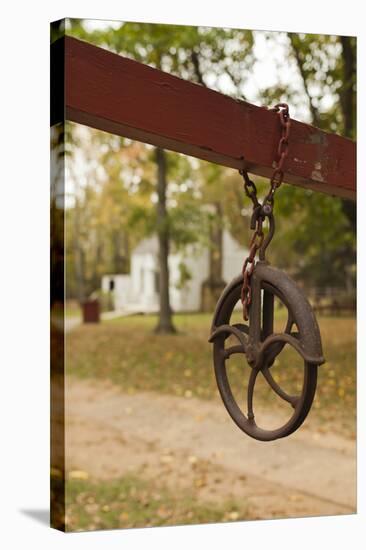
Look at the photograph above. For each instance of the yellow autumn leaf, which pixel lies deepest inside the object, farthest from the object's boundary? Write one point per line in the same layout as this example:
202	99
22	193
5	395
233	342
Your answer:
78	474
200	482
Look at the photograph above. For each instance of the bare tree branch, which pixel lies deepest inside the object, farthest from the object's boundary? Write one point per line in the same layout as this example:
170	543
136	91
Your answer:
197	68
300	64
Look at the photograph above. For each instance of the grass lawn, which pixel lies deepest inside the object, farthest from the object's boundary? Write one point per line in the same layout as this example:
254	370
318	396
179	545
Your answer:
133	502
127	352
72	309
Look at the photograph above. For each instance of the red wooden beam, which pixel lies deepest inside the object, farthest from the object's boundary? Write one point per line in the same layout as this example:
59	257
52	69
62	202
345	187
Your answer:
124	97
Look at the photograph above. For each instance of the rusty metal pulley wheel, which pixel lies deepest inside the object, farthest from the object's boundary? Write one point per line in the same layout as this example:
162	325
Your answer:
260	345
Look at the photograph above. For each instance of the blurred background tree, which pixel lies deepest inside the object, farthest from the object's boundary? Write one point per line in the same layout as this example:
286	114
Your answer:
130	189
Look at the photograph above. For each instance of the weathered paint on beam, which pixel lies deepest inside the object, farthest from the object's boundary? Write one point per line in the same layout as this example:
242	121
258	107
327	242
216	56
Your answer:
124	97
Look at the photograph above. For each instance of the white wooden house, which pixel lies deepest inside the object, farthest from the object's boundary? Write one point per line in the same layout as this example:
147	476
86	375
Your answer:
139	291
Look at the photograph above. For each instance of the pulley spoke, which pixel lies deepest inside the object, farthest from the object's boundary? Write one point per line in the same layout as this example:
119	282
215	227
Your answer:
292	399
233	349
250	392
276	348
242	327
229	330
238	330
271	354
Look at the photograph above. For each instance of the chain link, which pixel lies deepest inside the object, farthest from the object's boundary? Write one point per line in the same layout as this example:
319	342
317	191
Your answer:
266	208
249	188
282	151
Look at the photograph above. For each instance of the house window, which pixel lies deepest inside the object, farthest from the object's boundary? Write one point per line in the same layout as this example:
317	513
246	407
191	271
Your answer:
111	285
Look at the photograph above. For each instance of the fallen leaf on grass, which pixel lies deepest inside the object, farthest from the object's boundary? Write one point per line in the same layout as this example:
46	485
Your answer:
91	508
200	482
78	474
234	515
163	513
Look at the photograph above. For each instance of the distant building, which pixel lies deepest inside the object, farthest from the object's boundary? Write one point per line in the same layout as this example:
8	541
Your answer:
116	289
139	291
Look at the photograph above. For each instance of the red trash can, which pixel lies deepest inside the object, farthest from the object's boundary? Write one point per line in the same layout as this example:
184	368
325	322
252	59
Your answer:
91	311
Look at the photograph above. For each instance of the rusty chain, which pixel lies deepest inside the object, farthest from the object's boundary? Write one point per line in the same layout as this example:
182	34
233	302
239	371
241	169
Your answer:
261	210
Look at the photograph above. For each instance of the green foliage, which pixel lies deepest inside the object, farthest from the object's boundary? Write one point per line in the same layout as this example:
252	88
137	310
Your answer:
313	237
184	275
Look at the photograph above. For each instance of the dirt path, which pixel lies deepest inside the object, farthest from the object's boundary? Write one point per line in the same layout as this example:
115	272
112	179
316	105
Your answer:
193	444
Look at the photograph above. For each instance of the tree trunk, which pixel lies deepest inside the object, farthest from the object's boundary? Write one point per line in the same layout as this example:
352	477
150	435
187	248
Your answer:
348	98
216	246
98	261
213	286
165	324
79	256
347	95
119	252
